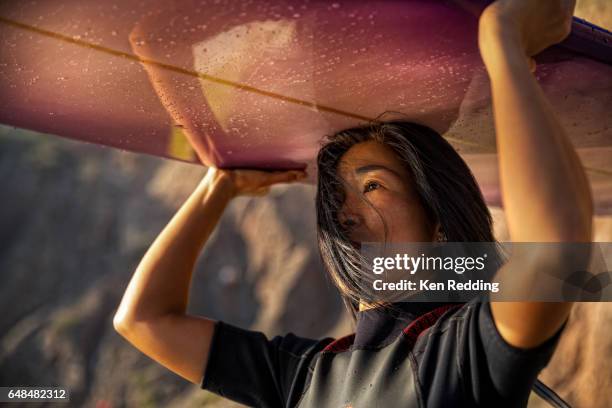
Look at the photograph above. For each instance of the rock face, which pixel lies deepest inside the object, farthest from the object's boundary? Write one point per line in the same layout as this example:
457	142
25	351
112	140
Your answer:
76	220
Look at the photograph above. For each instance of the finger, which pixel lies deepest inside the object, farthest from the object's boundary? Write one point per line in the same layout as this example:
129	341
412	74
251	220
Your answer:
284	176
261	191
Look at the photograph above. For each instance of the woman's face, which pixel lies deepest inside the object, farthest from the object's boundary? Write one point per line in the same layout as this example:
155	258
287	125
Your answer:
372	170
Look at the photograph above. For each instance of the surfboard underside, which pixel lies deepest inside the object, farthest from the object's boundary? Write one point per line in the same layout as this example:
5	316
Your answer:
258	84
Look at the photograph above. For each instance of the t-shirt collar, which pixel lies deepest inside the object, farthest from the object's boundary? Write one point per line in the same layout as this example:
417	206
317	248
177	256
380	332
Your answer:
378	327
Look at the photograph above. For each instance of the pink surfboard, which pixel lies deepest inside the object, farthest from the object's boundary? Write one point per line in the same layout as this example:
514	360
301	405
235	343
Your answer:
257	84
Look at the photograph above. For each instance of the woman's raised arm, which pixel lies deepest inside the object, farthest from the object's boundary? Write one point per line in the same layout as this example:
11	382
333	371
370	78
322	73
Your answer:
545	191
152	313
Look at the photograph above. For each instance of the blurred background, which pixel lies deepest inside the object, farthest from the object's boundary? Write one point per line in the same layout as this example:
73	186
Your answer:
77	218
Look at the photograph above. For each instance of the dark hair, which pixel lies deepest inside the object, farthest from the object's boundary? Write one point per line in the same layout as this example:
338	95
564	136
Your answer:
444	183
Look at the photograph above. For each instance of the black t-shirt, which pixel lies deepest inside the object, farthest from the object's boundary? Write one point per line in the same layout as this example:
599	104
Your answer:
427	355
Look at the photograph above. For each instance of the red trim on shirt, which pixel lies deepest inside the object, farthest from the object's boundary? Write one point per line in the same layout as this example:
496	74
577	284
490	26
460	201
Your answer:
424	322
412	331
341	344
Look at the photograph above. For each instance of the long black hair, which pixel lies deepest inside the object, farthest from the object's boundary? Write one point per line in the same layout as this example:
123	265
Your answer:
442	179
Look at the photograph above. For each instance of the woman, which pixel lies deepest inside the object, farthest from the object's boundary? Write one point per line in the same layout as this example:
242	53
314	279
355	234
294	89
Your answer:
399	182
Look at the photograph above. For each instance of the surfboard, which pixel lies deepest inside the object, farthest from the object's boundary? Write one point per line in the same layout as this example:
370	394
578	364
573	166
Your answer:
258	84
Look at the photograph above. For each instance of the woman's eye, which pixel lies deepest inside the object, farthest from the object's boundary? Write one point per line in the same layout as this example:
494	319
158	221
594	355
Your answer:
370	185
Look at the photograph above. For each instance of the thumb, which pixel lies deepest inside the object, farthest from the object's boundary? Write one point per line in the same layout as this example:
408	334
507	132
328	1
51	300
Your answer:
285	176
262	191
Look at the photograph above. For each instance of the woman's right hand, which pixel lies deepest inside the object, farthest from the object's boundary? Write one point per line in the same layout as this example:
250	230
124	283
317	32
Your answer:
247	182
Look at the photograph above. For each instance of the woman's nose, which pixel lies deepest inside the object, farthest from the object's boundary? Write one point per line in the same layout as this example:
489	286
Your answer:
350	216
349	221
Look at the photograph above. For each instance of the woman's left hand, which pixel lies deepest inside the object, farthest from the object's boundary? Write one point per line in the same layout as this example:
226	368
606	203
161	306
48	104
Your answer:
531	25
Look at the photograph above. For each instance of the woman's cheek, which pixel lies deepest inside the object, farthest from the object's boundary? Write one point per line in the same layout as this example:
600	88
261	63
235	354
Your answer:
407	223
386	207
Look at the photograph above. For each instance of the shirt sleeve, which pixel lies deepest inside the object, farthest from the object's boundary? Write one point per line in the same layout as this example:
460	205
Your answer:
246	367
463	360
495	371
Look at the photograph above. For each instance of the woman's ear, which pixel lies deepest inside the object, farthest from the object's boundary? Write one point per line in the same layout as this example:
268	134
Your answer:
435	230
438	235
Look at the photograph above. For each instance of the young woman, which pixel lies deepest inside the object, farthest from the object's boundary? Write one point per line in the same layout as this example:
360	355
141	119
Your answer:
400	182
